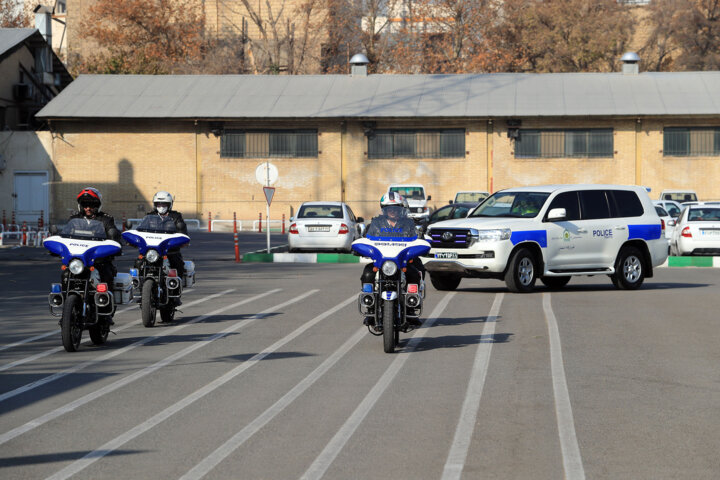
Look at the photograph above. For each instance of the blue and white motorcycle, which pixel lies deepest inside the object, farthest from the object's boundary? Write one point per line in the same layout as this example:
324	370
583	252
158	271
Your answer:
82	301
160	286
390	300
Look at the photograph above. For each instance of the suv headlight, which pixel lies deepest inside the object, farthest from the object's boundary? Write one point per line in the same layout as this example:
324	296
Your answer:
76	266
494	235
389	268
152	256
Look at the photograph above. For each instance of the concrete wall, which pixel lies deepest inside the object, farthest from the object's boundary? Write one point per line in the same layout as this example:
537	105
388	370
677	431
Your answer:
129	162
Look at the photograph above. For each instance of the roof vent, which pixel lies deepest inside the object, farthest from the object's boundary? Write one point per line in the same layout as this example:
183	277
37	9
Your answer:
358	65
630	61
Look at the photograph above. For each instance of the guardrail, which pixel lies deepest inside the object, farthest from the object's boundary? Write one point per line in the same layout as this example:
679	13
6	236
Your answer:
280	227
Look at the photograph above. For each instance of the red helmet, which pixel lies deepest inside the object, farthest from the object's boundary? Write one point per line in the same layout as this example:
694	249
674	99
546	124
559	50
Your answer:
89	197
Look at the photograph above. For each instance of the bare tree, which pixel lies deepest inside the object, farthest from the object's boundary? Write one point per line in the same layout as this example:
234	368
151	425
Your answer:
14	15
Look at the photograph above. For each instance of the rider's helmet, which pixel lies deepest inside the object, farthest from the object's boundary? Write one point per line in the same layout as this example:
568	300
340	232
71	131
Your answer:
393	204
89	197
163	202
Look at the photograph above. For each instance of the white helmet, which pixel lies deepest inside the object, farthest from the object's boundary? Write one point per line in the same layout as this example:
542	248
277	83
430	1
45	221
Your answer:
391	199
163	202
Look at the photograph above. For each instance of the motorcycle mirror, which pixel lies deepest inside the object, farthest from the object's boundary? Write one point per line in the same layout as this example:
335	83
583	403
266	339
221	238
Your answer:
53	230
181	226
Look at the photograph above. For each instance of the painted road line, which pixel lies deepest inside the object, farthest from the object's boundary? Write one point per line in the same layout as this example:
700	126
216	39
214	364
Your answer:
572	461
112	445
119	329
336	444
5	437
466	423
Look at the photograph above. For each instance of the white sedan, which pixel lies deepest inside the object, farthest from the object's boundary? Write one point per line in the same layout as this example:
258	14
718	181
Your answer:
697	231
324	226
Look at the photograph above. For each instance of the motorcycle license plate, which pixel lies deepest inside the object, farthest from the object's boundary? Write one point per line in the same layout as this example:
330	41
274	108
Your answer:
318	229
452	255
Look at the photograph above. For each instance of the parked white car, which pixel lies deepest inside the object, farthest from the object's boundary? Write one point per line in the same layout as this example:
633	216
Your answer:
697	231
416	198
679	195
324	226
672	207
551	232
669	225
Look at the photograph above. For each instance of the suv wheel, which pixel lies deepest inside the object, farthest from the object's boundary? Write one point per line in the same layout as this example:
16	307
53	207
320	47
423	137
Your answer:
629	273
521	273
445	281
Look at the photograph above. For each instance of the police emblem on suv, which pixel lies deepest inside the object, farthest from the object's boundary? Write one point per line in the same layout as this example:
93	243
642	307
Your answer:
447	236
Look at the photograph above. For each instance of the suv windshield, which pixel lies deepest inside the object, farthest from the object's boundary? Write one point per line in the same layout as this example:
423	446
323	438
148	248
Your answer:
410	193
82	228
680	196
157	224
512	204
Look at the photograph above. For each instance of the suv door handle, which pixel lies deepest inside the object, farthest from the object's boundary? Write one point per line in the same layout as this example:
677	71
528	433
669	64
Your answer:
620	228
582	230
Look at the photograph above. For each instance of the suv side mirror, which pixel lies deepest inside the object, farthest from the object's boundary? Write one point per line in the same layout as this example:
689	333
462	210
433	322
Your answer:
360	219
557	215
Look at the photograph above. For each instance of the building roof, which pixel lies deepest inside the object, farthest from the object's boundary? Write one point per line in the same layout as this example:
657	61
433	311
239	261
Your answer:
386	96
12	37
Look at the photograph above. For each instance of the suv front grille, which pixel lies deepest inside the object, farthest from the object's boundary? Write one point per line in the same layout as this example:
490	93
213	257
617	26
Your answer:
450	237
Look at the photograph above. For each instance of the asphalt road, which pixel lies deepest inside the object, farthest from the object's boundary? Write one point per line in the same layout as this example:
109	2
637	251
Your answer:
269	374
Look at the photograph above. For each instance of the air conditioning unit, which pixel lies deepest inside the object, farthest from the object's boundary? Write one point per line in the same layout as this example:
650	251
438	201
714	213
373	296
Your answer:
22	91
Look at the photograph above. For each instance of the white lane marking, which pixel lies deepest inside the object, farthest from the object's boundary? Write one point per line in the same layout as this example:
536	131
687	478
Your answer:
336	444
43	335
107	448
466	423
212	460
5	437
572	461
112	354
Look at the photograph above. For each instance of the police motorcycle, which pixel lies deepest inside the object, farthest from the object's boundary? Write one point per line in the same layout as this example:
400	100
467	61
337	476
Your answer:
390	300
159	285
82	301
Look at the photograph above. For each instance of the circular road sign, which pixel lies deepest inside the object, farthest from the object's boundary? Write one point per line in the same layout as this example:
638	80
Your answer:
266	173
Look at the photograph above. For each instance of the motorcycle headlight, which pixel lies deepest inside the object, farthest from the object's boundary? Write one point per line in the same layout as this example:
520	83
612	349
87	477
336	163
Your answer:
152	256
76	266
389	268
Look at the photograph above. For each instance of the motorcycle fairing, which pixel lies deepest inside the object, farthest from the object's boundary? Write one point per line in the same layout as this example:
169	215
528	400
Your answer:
398	250
162	242
88	251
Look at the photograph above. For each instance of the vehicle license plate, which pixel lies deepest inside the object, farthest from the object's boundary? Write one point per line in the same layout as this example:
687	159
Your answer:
446	255
318	229
711	232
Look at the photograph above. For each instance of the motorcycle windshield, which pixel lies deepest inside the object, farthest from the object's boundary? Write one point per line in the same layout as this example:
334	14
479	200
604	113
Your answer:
84	229
157	224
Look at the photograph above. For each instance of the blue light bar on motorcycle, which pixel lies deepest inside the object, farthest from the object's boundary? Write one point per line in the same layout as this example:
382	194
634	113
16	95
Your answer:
55	288
367	288
133	272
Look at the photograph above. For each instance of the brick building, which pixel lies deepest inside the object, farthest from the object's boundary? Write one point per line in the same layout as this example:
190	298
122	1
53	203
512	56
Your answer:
347	137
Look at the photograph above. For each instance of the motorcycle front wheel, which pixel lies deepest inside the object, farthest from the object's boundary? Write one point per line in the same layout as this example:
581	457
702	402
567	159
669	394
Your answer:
147	307
389	326
99	333
71	324
167	314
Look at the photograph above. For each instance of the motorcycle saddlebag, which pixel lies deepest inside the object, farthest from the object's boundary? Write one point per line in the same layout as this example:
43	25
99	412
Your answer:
123	291
189	277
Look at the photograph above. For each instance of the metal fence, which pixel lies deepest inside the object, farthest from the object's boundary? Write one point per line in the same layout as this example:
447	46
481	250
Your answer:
691	142
417	144
593	143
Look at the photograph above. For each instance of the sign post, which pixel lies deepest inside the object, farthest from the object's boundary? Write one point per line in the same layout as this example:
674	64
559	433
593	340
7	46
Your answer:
267	174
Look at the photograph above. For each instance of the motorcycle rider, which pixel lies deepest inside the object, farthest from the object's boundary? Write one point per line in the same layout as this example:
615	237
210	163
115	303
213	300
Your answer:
163	202
89	202
393	222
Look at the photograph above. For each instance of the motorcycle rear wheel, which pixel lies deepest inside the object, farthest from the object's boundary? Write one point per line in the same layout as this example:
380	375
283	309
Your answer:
147	307
70	325
99	333
167	314
389	326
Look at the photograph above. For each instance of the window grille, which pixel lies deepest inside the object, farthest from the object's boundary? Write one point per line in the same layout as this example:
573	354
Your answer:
589	143
449	143
691	141
269	143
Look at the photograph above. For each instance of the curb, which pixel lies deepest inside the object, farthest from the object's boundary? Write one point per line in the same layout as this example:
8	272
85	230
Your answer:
711	262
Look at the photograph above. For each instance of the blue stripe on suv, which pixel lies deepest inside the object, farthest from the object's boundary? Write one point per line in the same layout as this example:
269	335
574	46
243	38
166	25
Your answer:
644	232
539	236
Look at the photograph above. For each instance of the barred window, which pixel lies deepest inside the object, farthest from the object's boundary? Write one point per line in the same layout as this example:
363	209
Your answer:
588	143
448	143
691	141
269	143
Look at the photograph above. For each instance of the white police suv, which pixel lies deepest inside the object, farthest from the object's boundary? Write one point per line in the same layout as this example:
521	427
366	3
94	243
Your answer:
552	232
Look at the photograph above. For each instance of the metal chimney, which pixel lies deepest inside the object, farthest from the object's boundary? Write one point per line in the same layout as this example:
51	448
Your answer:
43	22
358	65
630	61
